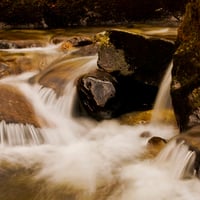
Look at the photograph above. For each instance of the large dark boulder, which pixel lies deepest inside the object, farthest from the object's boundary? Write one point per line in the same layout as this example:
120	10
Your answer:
104	96
144	58
185	87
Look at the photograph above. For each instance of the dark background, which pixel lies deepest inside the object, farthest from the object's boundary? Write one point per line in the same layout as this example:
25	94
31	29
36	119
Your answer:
64	13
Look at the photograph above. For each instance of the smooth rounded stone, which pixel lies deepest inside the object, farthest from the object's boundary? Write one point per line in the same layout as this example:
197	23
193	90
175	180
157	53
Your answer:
15	108
155	145
59	74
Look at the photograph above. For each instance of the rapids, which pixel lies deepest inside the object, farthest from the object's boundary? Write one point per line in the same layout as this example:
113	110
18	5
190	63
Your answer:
71	157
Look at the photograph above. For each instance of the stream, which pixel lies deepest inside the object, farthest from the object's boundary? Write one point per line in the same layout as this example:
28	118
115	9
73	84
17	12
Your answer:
68	157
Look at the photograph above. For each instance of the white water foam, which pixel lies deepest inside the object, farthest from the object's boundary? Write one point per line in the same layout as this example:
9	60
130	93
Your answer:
102	164
51	48
89	160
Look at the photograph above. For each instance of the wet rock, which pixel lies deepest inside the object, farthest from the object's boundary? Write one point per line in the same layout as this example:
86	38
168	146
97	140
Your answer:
80	41
14	107
185	87
76	41
13	63
19	44
104	96
88	50
54	77
155	145
82	45
5	45
98	94
59	73
6	70
144	58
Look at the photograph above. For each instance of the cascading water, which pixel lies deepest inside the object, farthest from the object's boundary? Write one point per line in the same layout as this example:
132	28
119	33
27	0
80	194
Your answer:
163	99
73	158
47	106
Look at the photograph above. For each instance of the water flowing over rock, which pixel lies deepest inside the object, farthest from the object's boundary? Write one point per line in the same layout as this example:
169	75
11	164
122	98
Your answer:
191	138
15	108
83	45
60	73
76	41
71	157
185	87
19	44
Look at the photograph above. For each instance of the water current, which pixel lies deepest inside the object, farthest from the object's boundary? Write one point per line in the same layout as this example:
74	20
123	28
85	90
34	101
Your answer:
76	158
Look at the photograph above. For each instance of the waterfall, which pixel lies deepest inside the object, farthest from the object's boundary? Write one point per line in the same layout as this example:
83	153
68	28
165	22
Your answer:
179	158
163	99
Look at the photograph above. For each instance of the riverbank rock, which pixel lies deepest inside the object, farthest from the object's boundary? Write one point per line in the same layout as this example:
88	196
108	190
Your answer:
185	87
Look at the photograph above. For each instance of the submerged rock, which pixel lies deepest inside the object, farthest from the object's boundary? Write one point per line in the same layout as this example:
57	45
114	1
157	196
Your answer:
15	108
155	145
19	44
76	41
185	87
13	63
60	73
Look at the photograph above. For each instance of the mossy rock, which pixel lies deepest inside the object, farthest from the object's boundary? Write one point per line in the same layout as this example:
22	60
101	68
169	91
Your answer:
144	117
185	87
126	53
